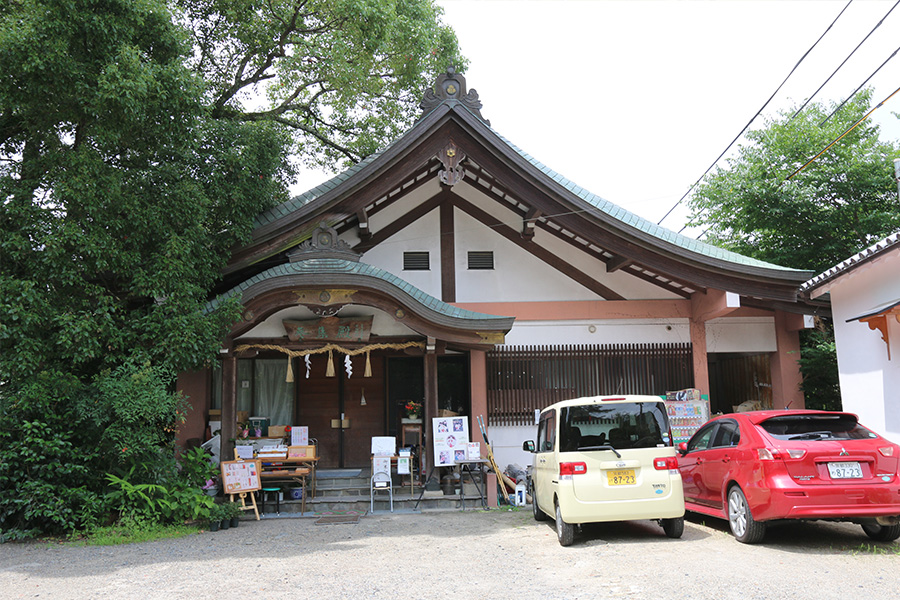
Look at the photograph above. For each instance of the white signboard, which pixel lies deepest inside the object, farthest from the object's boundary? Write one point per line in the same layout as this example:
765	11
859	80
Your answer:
300	435
451	439
384	446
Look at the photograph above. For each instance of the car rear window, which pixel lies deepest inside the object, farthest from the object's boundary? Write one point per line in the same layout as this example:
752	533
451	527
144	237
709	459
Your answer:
816	427
620	425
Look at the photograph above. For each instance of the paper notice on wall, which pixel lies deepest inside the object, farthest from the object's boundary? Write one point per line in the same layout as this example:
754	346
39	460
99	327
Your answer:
300	435
403	465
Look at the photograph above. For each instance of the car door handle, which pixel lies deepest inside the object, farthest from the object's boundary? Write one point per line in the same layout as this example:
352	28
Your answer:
726	458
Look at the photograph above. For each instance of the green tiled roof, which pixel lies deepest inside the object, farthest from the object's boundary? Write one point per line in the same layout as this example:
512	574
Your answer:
285	208
326	266
639	223
613	210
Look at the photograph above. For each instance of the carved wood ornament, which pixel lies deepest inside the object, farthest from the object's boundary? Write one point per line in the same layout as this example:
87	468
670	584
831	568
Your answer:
451	156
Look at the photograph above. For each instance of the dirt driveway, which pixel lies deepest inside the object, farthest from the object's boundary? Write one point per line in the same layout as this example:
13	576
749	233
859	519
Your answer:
492	555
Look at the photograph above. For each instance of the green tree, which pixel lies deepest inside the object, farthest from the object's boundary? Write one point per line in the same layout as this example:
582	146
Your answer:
345	76
133	157
841	203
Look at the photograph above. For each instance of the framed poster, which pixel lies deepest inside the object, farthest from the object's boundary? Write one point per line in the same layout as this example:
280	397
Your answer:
451	440
239	476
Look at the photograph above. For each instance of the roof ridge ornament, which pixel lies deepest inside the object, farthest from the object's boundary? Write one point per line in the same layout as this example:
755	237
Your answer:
324	243
451	86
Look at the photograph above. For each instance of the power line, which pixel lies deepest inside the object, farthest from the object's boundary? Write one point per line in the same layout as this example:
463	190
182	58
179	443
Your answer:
841	105
808	100
708	169
840	137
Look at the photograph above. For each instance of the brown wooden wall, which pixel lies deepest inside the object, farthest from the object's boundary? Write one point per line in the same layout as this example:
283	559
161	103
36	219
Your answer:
522	379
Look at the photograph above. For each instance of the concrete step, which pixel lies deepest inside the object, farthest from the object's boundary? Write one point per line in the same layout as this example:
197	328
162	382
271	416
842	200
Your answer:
403	501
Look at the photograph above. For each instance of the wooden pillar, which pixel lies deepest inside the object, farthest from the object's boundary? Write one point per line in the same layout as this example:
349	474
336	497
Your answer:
448	254
229	407
478	395
431	404
786	377
700	361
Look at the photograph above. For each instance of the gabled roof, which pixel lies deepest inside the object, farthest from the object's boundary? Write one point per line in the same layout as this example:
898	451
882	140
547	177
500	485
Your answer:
569	208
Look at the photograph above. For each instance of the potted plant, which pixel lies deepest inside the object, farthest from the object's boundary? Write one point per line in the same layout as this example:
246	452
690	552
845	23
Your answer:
233	513
216	513
413	409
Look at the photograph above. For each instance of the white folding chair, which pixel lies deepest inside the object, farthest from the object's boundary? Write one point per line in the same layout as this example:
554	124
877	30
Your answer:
380	481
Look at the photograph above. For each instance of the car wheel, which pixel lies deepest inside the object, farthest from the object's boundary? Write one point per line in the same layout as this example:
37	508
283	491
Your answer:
673	527
564	531
882	533
744	528
539	515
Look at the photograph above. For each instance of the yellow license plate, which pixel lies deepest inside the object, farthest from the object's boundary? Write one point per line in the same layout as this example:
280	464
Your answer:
621	477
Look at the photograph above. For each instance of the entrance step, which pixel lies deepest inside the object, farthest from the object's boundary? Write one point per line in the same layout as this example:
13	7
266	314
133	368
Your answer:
349	491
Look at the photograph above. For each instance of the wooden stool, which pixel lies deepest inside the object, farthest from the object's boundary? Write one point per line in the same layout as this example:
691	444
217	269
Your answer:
262	499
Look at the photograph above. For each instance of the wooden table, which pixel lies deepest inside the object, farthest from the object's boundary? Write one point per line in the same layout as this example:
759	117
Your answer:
276	470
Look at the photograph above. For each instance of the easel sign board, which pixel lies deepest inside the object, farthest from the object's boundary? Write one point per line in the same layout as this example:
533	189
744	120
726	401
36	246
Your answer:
239	476
451	440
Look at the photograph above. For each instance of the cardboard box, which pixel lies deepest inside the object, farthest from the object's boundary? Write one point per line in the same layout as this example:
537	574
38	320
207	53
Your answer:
276	430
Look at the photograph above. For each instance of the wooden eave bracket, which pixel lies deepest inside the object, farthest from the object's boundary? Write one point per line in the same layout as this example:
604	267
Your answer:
618	262
528	224
365	234
713	304
879	322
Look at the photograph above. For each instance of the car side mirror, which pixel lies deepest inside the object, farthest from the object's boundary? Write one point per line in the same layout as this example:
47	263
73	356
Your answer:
528	446
682	448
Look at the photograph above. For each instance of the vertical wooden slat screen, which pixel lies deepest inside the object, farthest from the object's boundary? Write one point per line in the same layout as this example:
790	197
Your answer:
522	379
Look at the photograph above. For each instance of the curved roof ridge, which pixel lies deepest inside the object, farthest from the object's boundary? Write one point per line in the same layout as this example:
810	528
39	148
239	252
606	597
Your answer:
640	223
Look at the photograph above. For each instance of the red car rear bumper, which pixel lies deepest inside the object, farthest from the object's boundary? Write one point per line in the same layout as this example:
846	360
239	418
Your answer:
784	499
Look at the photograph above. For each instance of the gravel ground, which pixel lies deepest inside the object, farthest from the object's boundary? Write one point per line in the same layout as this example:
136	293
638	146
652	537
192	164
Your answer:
492	555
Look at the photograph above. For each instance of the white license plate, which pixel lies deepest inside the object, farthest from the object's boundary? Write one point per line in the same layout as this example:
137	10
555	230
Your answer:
845	470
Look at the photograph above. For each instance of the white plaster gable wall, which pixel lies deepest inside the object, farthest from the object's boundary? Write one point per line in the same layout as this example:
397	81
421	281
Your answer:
520	276
421	236
870	383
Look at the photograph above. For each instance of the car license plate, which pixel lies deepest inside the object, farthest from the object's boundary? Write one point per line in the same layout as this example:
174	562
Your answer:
845	470
621	477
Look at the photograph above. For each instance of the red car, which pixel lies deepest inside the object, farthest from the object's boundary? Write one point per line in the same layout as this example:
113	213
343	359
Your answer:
756	467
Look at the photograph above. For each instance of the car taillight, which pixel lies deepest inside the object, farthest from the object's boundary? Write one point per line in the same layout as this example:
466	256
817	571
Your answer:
887	451
665	463
775	454
572	468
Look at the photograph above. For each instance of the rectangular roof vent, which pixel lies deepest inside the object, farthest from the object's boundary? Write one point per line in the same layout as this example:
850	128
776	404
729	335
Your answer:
481	260
416	261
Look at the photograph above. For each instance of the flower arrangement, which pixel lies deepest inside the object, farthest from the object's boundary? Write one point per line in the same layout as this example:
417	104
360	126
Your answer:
413	409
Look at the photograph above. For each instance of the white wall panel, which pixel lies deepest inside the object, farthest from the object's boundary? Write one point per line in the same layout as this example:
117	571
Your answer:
619	331
421	236
741	334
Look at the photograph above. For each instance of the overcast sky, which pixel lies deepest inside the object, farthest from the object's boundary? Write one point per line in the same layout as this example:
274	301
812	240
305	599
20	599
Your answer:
633	100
